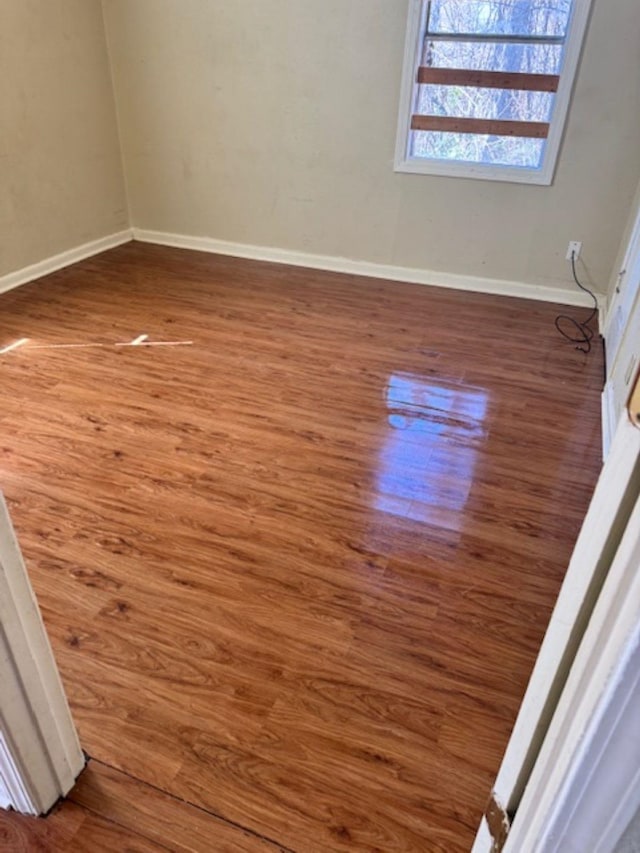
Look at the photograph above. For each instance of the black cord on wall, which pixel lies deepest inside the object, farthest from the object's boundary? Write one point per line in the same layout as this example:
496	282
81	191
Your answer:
579	332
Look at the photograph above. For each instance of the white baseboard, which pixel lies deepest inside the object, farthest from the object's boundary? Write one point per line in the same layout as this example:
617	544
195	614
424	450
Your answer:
64	259
433	278
409	275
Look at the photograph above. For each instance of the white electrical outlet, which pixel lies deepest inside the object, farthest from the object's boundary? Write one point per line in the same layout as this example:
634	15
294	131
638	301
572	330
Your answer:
574	249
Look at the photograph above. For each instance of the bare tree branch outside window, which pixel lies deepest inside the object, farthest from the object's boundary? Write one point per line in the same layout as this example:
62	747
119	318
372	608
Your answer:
524	36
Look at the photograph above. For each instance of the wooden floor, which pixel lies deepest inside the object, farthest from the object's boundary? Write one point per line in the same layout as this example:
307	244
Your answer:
296	573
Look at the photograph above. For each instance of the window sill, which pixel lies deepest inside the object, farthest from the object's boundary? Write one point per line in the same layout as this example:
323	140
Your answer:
506	174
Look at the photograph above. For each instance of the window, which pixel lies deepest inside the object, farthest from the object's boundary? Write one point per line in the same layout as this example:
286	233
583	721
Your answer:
487	85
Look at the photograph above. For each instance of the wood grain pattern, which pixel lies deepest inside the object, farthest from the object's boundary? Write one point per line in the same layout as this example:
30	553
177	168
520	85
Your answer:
73	830
488	79
491	126
295	575
171	823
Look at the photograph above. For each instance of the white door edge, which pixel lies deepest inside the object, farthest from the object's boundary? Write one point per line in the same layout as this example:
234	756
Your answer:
565	764
608	419
593	549
598	577
16	795
627	287
40	755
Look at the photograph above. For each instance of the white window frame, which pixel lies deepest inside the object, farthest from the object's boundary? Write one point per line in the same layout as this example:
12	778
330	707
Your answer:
455	169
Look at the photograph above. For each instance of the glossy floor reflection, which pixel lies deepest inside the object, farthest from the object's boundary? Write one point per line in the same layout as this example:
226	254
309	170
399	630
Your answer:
429	423
296	574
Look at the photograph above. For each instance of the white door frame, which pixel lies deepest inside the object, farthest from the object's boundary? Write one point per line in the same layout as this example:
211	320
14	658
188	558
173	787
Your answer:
40	755
620	329
575	674
625	294
590	572
563	798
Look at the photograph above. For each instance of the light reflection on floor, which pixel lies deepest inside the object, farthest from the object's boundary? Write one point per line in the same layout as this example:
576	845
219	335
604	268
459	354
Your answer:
425	420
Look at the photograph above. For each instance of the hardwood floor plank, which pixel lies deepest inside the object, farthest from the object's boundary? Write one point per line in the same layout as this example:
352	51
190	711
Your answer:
101	836
22	834
296	572
149	812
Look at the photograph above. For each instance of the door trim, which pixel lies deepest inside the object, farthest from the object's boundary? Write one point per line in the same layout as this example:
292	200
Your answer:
589	572
625	294
597	542
575	741
575	676
40	755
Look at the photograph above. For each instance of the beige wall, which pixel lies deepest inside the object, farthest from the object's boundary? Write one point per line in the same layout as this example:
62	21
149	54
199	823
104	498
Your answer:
273	122
61	180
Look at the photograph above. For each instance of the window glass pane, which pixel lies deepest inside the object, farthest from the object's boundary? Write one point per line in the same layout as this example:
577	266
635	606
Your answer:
501	17
474	102
492	56
475	148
